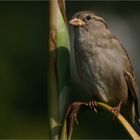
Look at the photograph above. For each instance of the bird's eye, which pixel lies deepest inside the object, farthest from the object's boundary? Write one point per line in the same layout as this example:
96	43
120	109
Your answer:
88	17
78	16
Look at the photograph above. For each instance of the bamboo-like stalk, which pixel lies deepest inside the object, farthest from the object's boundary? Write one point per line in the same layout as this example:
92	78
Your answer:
59	57
63	56
52	74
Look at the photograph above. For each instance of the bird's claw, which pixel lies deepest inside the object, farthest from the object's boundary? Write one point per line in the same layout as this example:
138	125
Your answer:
93	105
75	118
116	111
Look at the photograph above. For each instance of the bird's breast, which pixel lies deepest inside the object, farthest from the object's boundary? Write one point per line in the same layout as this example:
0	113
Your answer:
101	72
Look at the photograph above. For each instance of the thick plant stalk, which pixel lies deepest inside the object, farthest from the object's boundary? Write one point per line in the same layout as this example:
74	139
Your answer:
52	74
59	69
63	57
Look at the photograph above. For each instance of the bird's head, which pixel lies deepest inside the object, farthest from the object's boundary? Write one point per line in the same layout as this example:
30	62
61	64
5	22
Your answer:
87	20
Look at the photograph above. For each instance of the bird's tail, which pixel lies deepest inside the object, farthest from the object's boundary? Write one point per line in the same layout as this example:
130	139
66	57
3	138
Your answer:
138	121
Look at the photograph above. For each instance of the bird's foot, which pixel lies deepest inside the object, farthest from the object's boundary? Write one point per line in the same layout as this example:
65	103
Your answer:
75	118
93	105
116	111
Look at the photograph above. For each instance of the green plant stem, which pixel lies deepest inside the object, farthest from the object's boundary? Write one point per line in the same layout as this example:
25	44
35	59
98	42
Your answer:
74	109
52	74
122	121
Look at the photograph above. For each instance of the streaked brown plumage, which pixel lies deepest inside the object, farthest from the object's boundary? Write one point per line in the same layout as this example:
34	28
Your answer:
103	64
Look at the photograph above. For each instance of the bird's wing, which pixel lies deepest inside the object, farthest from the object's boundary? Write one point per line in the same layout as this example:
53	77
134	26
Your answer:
133	90
131	83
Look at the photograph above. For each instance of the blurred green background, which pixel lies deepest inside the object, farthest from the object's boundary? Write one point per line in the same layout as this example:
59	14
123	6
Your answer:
123	18
23	66
23	69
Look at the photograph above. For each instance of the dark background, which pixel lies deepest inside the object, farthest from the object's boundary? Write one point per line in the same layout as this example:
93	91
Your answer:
23	69
123	19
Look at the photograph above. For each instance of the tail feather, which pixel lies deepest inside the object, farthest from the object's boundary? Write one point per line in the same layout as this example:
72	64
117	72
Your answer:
138	122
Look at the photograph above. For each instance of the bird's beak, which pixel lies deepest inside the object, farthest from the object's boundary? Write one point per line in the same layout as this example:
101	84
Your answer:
77	22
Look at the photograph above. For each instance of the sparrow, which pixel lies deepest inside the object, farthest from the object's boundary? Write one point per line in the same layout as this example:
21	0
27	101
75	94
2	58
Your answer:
103	65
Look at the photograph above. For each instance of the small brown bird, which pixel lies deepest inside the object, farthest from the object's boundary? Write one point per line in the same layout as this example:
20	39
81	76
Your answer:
104	66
